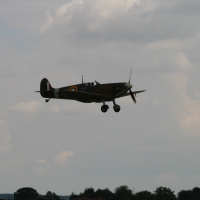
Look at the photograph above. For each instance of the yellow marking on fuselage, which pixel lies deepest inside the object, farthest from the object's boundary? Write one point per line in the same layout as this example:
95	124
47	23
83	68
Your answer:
73	87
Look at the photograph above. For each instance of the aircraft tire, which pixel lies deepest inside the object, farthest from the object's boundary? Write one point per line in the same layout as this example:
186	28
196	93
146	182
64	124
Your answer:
104	108
116	108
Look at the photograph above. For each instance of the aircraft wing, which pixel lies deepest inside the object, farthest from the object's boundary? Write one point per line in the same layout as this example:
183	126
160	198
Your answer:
86	95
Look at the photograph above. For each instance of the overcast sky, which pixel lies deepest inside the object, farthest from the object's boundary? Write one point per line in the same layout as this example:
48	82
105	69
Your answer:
66	146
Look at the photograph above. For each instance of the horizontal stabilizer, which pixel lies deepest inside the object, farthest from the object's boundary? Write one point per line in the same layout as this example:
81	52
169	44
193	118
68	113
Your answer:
44	91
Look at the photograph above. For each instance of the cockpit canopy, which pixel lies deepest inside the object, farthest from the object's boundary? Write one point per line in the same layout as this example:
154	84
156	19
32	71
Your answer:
90	84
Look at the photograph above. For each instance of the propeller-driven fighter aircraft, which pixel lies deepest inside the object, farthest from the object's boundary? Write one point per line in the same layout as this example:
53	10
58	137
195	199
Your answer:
90	92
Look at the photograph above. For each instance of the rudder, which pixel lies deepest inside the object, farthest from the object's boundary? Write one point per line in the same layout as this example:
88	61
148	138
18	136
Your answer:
45	85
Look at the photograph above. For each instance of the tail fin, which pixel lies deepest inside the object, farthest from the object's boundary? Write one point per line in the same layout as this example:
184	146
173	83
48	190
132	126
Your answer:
45	85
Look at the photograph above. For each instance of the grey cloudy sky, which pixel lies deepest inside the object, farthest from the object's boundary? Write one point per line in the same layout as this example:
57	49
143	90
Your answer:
66	146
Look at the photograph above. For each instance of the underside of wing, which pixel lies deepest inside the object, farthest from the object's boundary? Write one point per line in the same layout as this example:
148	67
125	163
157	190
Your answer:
86	96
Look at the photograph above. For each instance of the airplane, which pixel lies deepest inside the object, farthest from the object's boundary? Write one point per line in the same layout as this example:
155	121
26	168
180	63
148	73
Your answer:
90	92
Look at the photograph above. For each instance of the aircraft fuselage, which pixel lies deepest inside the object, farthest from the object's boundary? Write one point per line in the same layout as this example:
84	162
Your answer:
109	90
89	92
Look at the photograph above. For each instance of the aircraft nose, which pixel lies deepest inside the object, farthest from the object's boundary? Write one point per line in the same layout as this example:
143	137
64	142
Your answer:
129	86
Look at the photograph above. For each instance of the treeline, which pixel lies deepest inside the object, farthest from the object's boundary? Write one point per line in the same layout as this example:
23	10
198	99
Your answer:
120	193
124	193
28	193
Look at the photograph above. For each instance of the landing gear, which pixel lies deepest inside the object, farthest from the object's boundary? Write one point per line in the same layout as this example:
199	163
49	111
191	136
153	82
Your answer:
47	100
116	107
104	108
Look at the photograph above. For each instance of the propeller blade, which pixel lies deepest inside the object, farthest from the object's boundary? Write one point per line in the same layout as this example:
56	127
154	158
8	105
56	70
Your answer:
130	76
132	95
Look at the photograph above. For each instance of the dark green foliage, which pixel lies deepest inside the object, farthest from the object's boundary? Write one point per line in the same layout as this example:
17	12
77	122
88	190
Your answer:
25	193
185	195
73	196
196	193
123	193
89	192
193	194
163	193
105	193
144	195
51	195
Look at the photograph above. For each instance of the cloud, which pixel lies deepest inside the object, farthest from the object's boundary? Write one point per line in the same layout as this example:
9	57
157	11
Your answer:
183	62
48	24
41	161
27	107
90	17
5	137
42	168
63	14
167	44
186	107
61	158
130	20
55	108
191	115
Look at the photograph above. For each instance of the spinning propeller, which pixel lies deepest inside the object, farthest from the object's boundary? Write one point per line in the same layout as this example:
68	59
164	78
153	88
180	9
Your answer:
129	86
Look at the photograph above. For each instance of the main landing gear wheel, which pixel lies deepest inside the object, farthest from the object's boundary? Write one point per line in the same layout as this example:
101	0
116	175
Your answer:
104	108
116	108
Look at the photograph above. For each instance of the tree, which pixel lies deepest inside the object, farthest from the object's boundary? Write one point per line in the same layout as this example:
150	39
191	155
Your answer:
185	195
145	195
89	192
123	193
51	195
73	195
196	193
163	193
105	193
25	193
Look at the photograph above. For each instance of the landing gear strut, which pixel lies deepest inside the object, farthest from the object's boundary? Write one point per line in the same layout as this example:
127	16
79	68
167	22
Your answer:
116	107
104	108
47	100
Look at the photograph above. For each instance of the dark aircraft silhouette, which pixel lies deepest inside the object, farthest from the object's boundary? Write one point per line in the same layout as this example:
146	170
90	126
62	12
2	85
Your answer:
89	92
